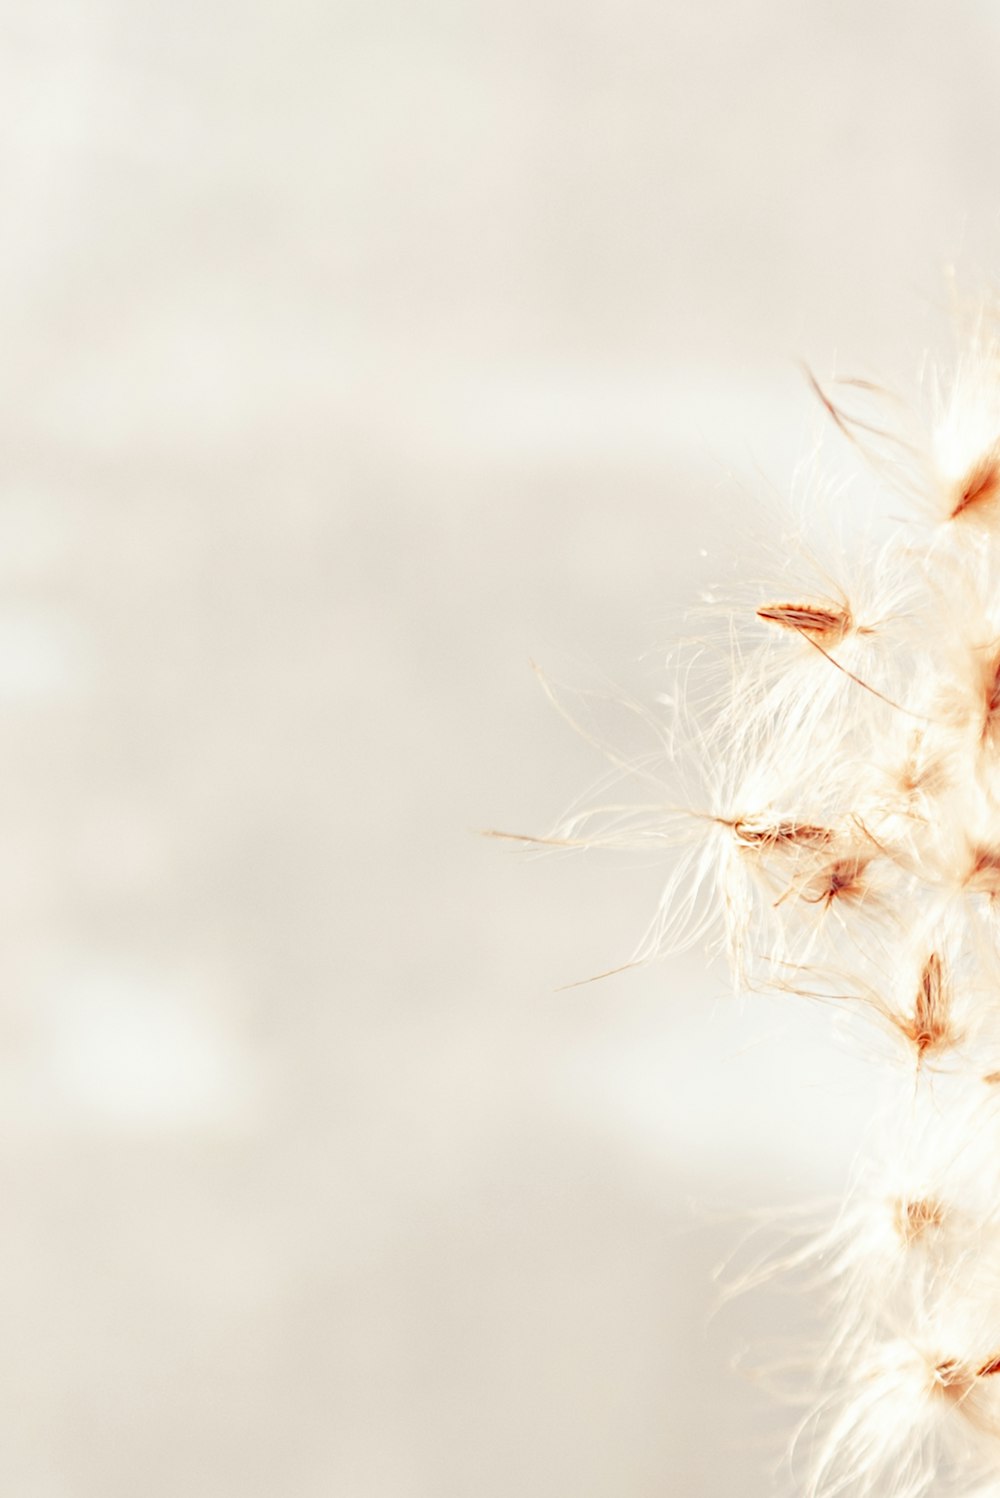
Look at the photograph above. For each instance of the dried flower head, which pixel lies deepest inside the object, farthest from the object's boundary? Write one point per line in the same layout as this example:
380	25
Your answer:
838	837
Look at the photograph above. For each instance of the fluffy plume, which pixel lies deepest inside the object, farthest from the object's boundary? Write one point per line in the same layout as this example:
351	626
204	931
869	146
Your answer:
888	910
838	838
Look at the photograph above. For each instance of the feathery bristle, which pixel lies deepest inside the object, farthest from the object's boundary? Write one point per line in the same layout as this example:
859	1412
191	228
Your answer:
842	842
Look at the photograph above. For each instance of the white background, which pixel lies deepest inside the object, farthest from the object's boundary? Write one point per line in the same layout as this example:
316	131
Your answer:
350	355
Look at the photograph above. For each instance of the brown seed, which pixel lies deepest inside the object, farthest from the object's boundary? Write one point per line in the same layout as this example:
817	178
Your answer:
928	776
954	1378
911	1219
984	873
842	879
991	701
980	486
931	1025
781	834
993	688
827	621
957	1379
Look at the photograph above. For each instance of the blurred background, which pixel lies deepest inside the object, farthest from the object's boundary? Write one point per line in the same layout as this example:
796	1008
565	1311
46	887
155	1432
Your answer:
352	355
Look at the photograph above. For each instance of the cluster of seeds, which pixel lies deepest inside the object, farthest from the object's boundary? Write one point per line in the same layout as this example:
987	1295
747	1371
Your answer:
850	850
845	844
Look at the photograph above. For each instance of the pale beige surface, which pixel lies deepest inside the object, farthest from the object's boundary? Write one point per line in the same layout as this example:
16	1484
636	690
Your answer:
352	354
